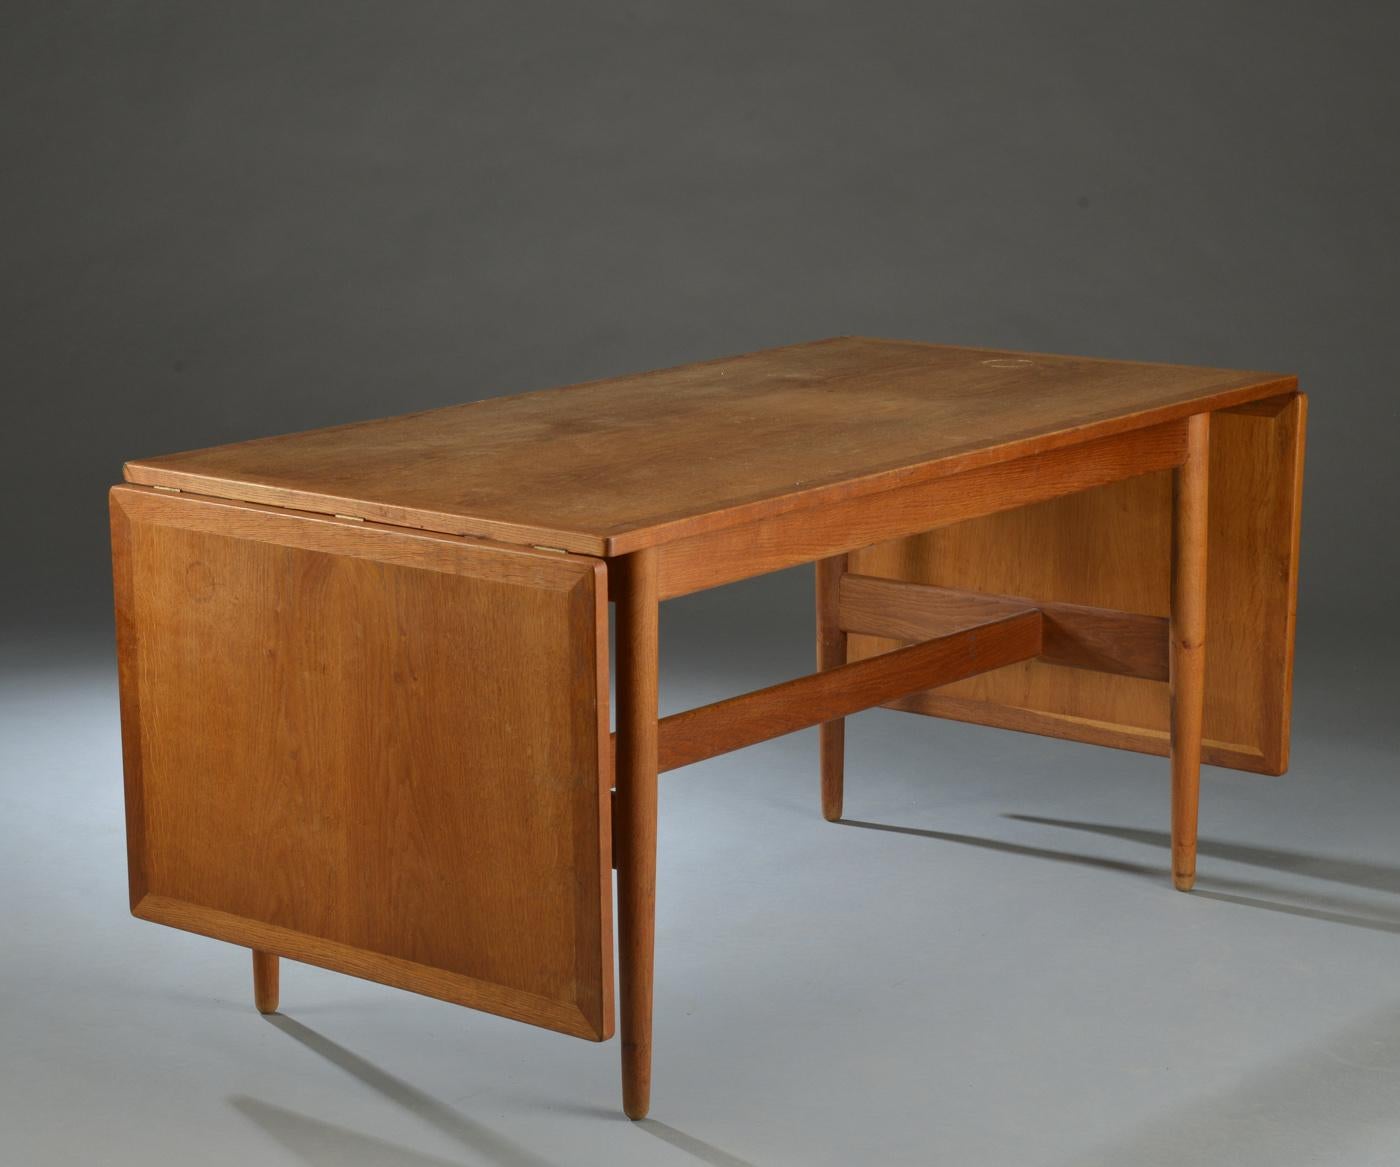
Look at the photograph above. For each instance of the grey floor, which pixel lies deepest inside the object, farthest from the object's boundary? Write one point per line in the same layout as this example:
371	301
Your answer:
985	965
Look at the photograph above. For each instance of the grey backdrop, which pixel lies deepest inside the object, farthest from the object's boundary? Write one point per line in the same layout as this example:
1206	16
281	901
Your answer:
233	219
226	220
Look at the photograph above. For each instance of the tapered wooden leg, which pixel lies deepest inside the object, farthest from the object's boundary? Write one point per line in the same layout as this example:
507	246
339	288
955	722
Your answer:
265	978
831	651
637	609
1190	496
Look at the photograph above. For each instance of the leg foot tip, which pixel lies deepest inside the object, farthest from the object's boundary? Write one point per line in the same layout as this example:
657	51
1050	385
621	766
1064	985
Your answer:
1184	882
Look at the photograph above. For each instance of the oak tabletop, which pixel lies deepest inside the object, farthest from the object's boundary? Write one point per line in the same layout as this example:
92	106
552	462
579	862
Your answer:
607	467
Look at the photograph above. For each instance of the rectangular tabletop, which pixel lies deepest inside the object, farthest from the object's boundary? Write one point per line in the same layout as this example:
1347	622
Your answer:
608	467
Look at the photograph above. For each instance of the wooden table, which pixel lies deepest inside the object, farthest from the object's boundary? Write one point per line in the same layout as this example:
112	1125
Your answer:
365	677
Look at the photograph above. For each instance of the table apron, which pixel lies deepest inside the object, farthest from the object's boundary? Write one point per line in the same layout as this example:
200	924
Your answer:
785	540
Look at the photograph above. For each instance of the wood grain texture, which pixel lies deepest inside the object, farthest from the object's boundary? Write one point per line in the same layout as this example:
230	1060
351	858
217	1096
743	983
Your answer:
1190	555
610	466
1074	635
798	536
638	611
1111	548
831	653
767	713
266	981
378	751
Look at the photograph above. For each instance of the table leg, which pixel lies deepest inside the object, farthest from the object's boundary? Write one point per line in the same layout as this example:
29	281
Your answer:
831	651
1190	493
637	709
265	978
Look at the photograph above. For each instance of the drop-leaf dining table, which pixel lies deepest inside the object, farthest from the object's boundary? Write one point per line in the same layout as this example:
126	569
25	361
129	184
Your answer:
365	674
